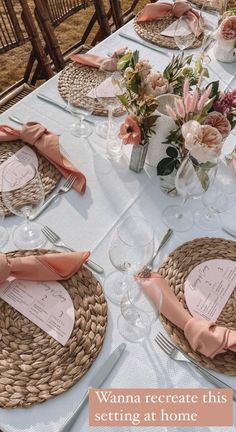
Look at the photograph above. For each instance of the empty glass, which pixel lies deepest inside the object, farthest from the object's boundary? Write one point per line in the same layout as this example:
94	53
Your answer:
208	28
184	36
24	201
80	111
191	181
109	100
138	315
131	247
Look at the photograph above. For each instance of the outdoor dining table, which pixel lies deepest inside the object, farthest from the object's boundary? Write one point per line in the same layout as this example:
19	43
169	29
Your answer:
87	223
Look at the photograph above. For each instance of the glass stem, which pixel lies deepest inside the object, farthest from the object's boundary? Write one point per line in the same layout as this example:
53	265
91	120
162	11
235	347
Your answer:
179	214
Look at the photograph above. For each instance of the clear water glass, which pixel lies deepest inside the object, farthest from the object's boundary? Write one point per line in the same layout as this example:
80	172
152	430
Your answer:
80	111
24	201
131	247
183	39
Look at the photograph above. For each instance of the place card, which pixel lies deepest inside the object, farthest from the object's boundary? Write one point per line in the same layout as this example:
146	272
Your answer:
183	30
17	169
46	304
209	286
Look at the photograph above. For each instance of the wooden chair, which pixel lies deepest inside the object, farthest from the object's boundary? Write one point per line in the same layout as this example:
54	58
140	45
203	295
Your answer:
51	13
121	16
17	28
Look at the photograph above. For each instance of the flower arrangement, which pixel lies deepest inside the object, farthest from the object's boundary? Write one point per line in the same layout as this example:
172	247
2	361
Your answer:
225	36
203	118
143	84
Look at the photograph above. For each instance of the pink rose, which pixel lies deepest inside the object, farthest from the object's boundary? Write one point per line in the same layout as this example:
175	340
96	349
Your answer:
220	122
228	28
203	142
109	64
156	84
130	132
119	52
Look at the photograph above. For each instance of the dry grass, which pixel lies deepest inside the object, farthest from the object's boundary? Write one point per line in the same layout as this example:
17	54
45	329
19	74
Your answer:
13	63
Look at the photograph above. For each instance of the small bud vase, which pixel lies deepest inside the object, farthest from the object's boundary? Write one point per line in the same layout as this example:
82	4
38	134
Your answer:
138	156
225	51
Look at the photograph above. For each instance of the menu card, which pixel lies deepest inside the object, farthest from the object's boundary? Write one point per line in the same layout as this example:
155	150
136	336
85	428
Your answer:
209	286
17	170
46	304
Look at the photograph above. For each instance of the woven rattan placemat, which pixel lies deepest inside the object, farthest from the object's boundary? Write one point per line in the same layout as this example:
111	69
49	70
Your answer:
176	269
49	175
151	31
214	5
87	78
33	366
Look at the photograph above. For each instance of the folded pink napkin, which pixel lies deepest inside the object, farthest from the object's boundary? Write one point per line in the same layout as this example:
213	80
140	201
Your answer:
203	336
159	10
91	60
47	144
48	267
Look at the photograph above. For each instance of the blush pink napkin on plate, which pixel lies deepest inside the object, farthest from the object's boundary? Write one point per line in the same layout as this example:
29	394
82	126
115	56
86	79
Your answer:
105	63
159	10
47	145
203	336
56	266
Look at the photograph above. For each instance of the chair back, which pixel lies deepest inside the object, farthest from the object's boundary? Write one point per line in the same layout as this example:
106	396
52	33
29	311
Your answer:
51	13
17	27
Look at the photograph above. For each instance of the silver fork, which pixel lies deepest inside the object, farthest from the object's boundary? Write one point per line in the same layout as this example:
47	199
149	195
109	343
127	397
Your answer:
177	354
149	266
57	241
65	187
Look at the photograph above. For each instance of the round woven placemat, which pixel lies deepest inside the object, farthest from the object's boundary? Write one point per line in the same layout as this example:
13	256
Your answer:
86	78
33	366
176	269
49	175
214	5
151	31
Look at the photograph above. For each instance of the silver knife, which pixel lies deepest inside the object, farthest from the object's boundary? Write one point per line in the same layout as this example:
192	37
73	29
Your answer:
59	105
229	230
95	382
144	43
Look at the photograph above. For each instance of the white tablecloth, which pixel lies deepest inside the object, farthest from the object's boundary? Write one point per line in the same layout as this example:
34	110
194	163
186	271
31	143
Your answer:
87	223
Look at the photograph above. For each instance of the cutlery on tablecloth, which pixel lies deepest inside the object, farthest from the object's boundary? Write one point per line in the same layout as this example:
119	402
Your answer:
175	353
57	241
149	266
96	382
59	105
65	187
144	43
229	230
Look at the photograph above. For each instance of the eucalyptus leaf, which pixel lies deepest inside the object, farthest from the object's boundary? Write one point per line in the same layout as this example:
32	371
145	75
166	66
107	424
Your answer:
165	166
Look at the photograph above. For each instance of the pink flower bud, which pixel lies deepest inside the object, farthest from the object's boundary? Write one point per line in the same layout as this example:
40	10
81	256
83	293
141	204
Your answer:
194	101
180	107
186	88
170	112
188	101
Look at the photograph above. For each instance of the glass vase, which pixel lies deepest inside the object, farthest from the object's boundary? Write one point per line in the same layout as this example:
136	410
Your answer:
138	156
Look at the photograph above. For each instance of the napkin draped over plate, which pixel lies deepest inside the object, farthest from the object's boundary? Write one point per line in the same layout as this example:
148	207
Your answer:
47	145
203	336
56	266
105	63
160	10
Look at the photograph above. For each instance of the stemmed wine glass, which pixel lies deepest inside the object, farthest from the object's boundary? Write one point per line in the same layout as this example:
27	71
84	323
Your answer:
80	111
131	247
191	181
183	36
109	100
138	315
24	199
207	28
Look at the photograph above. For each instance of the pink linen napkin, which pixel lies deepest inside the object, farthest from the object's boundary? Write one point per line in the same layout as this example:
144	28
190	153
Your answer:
203	336
47	144
159	10
105	63
48	267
